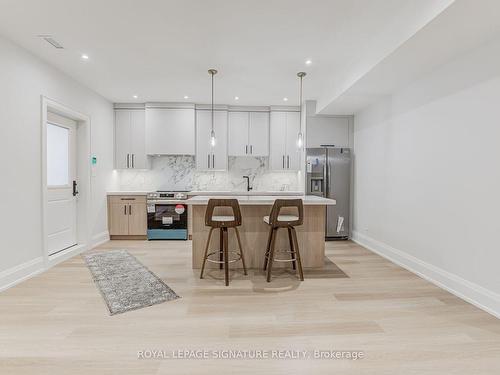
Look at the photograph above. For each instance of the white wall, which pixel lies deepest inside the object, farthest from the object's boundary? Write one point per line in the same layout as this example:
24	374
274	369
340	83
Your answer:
23	79
427	176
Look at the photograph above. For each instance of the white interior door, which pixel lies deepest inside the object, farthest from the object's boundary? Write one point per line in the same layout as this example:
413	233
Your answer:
61	174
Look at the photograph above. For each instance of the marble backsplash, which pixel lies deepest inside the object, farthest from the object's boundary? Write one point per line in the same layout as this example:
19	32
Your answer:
179	173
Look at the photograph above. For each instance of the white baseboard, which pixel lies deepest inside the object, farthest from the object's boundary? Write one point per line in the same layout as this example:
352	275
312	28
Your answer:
65	254
99	239
96	240
475	294
21	272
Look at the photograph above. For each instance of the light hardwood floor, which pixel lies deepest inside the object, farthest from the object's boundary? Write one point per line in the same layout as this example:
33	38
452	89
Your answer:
57	323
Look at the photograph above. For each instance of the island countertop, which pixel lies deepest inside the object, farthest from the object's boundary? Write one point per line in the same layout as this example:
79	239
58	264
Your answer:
260	200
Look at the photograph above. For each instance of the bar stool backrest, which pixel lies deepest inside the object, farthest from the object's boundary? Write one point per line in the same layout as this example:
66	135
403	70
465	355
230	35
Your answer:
213	204
282	203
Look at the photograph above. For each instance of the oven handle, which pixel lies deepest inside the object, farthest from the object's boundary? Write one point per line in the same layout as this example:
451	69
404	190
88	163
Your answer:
166	202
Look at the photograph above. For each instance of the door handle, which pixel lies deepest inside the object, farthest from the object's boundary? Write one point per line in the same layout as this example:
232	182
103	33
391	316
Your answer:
283	161
246	149
288	161
130	209
75	189
125	209
133	162
213	160
251	149
208	161
128	160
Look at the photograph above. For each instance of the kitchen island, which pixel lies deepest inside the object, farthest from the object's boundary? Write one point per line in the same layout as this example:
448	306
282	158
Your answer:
254	232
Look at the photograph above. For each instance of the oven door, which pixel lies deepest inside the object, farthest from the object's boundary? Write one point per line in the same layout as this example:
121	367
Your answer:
167	221
167	216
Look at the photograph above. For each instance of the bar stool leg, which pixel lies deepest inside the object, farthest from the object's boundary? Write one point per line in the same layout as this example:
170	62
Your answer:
221	247
297	254
266	255
271	254
206	252
241	250
226	257
292	251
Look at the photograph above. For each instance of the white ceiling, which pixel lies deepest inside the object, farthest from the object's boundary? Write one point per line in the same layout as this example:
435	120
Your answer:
463	26
161	50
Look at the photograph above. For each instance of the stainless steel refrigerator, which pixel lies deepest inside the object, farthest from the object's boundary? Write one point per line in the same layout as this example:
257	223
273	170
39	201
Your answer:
328	174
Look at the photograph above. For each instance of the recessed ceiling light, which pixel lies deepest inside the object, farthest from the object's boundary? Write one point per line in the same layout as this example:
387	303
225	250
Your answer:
285	99
236	98
186	97
134	96
85	57
308	62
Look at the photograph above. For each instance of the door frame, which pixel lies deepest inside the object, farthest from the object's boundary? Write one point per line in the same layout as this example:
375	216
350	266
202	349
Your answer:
83	154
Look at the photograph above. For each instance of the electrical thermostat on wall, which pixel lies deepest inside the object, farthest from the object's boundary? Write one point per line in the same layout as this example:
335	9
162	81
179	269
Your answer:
93	162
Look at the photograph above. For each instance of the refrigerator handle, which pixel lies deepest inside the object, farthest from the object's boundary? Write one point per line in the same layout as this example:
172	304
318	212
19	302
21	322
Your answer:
326	174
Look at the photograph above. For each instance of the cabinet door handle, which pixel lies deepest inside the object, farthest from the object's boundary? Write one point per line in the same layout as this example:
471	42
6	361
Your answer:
128	160
133	162
251	149
213	160
288	161
125	209
130	209
283	161
246	149
208	161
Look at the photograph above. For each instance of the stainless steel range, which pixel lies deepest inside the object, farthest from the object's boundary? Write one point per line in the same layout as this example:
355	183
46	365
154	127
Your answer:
167	215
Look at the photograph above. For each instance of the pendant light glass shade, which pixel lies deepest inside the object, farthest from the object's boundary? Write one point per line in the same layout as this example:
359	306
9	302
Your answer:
300	136
213	140
300	140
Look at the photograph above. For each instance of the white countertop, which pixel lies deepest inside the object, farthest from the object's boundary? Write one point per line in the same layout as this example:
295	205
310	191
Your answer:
245	193
260	200
137	192
216	193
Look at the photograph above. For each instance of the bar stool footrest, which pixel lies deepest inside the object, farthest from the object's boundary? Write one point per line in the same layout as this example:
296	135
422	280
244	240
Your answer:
222	262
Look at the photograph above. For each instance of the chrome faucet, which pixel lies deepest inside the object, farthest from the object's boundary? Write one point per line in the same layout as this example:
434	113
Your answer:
248	183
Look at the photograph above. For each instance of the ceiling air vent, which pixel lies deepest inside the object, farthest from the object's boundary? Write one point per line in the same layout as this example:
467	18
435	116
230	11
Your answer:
52	41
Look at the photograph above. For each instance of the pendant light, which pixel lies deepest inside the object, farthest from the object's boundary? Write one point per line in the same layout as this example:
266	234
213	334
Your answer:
212	72
300	136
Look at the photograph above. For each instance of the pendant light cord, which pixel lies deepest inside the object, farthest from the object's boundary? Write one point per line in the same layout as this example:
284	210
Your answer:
301	75
212	101
300	105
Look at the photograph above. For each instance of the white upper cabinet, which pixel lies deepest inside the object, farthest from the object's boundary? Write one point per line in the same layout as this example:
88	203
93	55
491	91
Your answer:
170	131
122	139
130	135
238	133
323	130
258	134
284	153
138	138
248	133
292	132
208	157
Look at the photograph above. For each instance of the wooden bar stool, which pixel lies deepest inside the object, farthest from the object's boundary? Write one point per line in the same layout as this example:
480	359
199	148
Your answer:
223	223
277	221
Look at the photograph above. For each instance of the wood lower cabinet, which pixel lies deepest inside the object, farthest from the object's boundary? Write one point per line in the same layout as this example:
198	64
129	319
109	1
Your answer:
127	217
